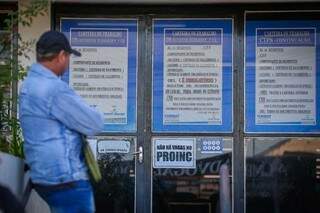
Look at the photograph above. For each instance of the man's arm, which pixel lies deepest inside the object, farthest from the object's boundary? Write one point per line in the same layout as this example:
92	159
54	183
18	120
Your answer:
70	109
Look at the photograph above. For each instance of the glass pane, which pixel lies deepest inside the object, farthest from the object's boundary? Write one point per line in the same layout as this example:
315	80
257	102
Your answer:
282	175
5	45
281	75
5	73
106	73
115	193
5	40
192	75
201	190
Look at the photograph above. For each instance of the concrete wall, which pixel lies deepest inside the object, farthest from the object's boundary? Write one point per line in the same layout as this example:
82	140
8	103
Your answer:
32	33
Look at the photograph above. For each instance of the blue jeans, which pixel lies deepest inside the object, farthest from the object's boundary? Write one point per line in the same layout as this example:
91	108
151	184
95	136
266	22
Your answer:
74	197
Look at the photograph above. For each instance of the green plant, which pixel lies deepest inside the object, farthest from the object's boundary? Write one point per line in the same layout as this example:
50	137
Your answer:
13	48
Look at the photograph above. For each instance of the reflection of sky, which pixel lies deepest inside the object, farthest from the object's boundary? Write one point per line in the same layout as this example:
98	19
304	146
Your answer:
255	146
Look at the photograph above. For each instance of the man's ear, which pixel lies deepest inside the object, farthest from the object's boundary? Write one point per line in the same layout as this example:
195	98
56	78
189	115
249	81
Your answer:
61	55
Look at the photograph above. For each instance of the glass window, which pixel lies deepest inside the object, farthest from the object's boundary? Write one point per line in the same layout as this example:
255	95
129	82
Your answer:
192	75
281	75
5	73
282	175
115	193
205	189
106	73
5	40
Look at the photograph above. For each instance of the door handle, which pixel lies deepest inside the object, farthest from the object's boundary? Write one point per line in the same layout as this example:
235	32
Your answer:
139	153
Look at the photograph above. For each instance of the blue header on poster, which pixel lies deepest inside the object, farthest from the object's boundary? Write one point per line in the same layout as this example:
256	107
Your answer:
98	38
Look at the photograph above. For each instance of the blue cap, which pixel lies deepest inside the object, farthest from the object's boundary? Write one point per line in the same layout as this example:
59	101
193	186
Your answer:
53	42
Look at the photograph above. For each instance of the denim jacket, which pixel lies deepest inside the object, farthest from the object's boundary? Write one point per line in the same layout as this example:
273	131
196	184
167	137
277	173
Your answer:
52	116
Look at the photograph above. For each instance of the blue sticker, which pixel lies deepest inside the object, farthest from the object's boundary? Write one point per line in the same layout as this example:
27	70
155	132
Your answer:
211	145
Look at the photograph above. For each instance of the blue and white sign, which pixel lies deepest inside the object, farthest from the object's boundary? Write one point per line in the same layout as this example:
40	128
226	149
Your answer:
281	75
105	75
174	153
192	75
210	145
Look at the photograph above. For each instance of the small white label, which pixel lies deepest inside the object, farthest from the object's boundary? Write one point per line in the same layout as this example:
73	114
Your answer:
113	146
174	153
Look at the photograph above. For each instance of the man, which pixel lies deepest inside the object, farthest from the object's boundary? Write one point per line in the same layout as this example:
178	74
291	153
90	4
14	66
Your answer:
53	118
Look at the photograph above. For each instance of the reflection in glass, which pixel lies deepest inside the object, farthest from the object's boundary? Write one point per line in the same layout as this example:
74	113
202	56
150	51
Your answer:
115	193
5	47
5	40
5	73
200	190
282	175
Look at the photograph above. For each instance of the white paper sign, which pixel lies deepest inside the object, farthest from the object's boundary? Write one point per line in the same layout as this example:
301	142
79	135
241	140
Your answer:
285	76
192	90
113	146
100	75
174	153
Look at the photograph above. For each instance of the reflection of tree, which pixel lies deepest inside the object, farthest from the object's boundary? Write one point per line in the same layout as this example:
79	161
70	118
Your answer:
115	193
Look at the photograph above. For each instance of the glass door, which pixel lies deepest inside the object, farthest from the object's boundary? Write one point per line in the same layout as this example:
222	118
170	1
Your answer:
192	115
106	77
165	88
